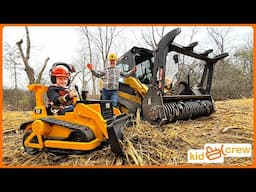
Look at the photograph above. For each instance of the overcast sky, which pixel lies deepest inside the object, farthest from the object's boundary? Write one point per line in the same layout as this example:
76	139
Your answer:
58	43
61	43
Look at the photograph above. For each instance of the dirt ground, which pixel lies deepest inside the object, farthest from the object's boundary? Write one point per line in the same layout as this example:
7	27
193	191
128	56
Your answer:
145	145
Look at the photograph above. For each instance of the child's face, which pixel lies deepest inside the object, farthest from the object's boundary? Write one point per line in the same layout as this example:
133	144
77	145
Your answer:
62	81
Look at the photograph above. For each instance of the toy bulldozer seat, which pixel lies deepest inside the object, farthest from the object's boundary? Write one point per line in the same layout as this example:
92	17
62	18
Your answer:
42	108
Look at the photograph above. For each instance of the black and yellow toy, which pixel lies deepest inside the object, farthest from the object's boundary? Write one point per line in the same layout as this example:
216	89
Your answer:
92	123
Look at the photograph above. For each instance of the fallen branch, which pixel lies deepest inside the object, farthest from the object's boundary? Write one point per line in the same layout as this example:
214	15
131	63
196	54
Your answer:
10	130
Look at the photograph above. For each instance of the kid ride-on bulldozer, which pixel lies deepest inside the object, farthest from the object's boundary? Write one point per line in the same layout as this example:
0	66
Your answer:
91	124
147	90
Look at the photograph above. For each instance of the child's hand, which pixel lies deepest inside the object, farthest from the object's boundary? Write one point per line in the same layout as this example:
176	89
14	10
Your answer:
72	93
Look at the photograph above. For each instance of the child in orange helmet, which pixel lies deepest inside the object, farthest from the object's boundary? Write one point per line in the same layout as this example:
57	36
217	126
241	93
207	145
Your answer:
59	95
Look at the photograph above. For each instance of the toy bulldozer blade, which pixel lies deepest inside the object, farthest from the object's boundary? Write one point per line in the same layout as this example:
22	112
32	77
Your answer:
115	133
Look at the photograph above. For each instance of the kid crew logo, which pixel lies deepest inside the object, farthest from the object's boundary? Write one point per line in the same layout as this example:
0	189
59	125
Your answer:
215	153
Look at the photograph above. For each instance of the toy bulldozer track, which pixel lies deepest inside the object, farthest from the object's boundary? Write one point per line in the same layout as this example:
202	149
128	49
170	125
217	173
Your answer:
91	124
147	88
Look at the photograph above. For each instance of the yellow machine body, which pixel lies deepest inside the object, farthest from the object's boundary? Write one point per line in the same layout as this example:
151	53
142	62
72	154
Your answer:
83	129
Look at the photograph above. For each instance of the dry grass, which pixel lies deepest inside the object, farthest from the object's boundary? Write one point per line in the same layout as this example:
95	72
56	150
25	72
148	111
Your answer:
143	144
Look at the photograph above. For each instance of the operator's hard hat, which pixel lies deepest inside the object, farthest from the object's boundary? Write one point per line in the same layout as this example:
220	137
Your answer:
112	56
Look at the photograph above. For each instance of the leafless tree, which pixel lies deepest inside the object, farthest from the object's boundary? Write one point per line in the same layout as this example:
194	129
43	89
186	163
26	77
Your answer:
244	59
25	58
28	69
182	66
231	77
191	36
12	64
220	37
103	40
245	54
88	38
151	36
100	41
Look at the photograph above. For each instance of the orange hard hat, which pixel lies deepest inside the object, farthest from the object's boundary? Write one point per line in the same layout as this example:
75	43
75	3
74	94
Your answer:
60	71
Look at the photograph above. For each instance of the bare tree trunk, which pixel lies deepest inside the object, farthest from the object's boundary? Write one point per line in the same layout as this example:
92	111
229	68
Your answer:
38	80
150	37
103	41
11	63
83	73
16	87
87	35
29	70
220	39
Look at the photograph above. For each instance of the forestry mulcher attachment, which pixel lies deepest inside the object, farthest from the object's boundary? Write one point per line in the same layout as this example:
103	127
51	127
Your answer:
92	124
162	103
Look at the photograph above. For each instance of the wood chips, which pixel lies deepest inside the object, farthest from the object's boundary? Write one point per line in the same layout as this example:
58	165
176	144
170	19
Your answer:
145	145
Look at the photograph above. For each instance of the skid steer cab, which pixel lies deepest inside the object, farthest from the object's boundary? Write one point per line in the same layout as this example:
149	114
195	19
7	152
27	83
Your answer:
91	124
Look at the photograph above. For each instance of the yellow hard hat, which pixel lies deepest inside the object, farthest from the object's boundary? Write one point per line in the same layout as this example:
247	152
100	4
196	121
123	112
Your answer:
112	56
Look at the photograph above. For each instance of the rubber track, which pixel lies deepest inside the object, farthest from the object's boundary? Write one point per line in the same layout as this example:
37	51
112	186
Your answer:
66	124
69	125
